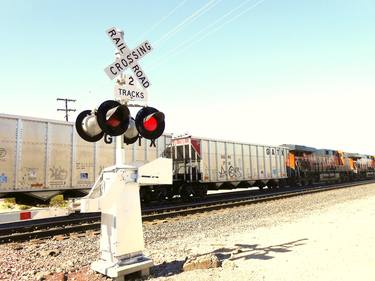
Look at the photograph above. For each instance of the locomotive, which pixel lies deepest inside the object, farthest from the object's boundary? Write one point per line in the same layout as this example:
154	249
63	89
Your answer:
307	165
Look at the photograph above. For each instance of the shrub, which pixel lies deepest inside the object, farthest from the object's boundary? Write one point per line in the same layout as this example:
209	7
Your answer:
23	207
57	201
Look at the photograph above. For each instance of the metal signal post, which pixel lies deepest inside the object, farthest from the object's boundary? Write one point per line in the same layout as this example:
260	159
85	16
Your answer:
116	192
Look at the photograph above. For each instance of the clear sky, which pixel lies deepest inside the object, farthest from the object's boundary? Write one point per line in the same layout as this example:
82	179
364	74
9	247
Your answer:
273	72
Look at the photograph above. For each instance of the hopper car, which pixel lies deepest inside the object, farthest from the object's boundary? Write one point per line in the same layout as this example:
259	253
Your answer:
42	157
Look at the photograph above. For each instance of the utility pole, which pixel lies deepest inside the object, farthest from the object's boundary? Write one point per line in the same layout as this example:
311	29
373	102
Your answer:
66	109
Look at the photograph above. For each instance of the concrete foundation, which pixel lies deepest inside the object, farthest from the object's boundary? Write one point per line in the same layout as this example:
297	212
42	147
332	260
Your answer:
119	271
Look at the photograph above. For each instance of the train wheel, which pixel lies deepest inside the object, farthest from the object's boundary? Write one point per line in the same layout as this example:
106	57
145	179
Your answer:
160	194
200	190
146	195
260	185
170	193
272	185
186	192
282	183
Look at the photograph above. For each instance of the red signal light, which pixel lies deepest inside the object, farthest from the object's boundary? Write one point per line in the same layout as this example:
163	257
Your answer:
113	122
150	124
113	117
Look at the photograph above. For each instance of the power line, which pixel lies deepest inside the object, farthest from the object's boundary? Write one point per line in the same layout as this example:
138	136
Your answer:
162	19
188	43
66	109
201	11
236	16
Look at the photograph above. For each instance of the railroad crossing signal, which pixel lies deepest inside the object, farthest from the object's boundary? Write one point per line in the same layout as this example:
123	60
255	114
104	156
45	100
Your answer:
117	194
113	118
127	58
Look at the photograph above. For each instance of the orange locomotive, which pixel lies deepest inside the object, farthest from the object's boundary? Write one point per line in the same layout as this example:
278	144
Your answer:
307	165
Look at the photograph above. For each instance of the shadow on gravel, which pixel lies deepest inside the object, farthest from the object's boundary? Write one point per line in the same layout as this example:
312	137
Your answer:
167	268
255	251
263	253
239	251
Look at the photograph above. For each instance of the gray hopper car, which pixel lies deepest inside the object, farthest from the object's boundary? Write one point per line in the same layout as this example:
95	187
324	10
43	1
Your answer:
220	164
43	157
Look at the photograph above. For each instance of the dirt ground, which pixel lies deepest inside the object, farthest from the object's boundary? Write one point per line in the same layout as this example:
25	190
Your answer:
322	236
335	243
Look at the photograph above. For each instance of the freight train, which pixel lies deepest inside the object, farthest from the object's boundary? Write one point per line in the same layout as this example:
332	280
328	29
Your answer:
42	157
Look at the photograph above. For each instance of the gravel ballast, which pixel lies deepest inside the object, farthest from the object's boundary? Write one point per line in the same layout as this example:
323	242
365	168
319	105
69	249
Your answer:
321	236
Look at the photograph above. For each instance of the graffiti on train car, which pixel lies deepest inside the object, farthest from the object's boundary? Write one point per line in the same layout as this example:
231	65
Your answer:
3	178
275	172
58	175
232	172
30	177
3	154
29	174
227	169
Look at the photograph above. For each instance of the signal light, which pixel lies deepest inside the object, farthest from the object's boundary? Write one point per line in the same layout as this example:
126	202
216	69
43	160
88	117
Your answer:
87	126
113	117
150	123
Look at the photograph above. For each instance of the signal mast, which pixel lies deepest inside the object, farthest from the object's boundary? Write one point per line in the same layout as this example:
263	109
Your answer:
116	192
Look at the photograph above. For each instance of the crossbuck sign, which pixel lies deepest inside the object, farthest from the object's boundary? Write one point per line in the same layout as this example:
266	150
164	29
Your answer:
127	58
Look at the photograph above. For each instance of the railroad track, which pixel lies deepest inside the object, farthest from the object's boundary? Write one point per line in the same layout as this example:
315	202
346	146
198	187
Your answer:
77	222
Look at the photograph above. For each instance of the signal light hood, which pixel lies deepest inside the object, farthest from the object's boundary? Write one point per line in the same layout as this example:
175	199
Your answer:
87	127
150	123
113	117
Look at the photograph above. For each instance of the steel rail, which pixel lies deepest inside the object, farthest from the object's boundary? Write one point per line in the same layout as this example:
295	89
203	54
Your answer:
91	221
203	207
80	218
34	225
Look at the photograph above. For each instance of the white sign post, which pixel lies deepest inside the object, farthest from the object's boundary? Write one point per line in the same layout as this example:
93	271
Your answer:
116	193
